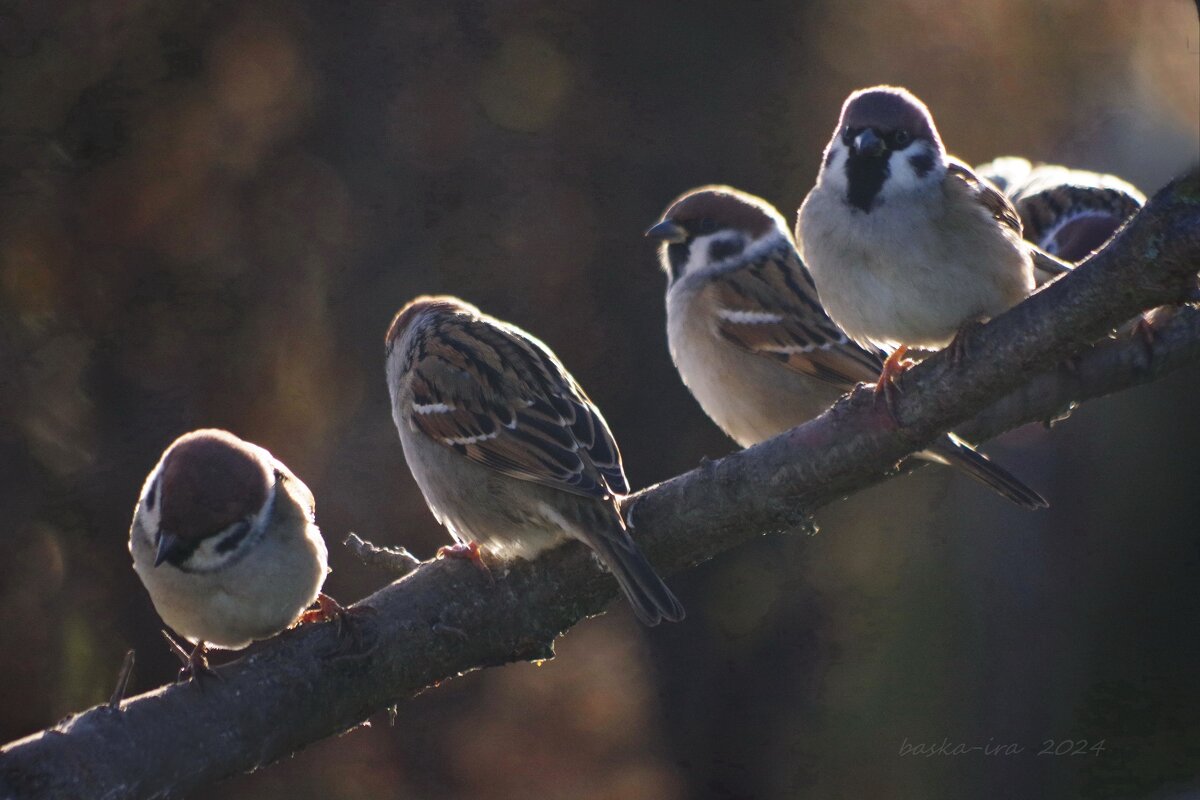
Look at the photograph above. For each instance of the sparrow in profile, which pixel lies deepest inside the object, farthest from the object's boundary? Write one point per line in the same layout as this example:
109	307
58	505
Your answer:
907	246
509	452
750	338
224	540
1068	213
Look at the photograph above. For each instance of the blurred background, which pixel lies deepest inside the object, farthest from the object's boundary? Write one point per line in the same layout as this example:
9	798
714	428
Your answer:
210	211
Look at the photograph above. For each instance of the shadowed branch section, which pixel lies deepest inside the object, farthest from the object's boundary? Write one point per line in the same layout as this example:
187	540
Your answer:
445	617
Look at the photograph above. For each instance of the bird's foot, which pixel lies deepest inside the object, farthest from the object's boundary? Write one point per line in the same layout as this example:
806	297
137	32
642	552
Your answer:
887	388
195	663
469	551
958	345
348	620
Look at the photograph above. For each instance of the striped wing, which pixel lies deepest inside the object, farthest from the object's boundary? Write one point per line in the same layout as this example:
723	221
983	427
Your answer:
499	397
769	307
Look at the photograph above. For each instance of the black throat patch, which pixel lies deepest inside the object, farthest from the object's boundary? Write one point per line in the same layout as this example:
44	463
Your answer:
864	178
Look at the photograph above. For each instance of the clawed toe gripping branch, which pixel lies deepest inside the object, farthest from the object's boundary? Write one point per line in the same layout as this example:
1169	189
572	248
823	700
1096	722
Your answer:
291	692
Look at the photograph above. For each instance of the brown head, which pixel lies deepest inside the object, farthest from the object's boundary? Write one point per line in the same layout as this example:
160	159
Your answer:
711	225
885	145
416	307
888	109
208	481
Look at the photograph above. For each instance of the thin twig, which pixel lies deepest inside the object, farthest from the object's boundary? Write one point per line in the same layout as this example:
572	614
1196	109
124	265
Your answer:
395	560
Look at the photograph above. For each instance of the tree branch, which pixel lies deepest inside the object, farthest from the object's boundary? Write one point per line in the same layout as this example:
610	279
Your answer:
445	618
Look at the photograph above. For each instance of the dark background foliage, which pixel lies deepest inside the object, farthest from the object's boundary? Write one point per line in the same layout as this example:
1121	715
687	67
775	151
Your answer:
209	212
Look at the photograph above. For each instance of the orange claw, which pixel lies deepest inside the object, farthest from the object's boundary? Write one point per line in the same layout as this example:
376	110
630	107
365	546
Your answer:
327	610
888	384
469	551
347	620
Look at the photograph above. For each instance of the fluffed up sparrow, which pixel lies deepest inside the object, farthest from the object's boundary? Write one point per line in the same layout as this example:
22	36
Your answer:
224	539
906	245
750	338
508	451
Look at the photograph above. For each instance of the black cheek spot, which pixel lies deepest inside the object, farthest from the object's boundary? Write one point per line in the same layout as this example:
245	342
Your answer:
724	248
234	537
921	164
152	498
829	157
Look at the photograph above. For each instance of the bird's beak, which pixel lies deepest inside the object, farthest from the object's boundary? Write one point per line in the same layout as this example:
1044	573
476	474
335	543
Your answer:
868	143
168	544
667	231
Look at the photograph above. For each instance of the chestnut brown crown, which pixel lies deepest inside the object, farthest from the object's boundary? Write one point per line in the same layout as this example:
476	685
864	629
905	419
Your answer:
210	480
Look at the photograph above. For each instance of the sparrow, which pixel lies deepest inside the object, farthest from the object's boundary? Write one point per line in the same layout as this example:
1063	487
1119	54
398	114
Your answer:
907	246
1066	212
750	338
508	451
224	540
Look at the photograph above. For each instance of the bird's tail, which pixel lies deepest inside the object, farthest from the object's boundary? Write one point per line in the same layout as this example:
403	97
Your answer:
652	601
955	452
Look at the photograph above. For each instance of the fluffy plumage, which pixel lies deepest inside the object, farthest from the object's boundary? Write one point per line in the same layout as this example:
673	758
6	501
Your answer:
508	450
906	244
748	333
224	539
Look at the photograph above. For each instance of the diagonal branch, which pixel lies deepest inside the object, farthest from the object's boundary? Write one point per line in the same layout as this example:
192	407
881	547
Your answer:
444	618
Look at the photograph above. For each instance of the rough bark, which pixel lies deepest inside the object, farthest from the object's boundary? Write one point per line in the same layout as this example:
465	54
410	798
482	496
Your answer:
445	618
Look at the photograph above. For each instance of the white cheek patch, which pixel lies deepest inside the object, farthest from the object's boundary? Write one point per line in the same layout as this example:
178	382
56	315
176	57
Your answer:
833	171
742	248
905	178
699	255
149	505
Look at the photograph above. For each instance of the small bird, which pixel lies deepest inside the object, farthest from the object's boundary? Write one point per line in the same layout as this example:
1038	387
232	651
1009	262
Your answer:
509	452
750	338
1067	212
906	244
224	539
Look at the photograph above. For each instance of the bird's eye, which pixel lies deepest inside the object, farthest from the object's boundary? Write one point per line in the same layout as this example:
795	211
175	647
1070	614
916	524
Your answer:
707	225
901	137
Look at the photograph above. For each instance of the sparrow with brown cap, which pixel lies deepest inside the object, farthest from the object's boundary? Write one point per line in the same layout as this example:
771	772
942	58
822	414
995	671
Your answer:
225	541
749	336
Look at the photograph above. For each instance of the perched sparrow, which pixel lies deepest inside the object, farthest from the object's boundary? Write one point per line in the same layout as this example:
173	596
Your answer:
224	540
750	338
907	245
507	449
1066	212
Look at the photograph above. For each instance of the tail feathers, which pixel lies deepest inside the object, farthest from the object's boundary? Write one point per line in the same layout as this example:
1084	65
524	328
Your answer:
1047	267
954	452
652	601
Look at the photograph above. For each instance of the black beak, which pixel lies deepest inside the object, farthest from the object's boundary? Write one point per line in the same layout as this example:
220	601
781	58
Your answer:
168	545
868	144
667	231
